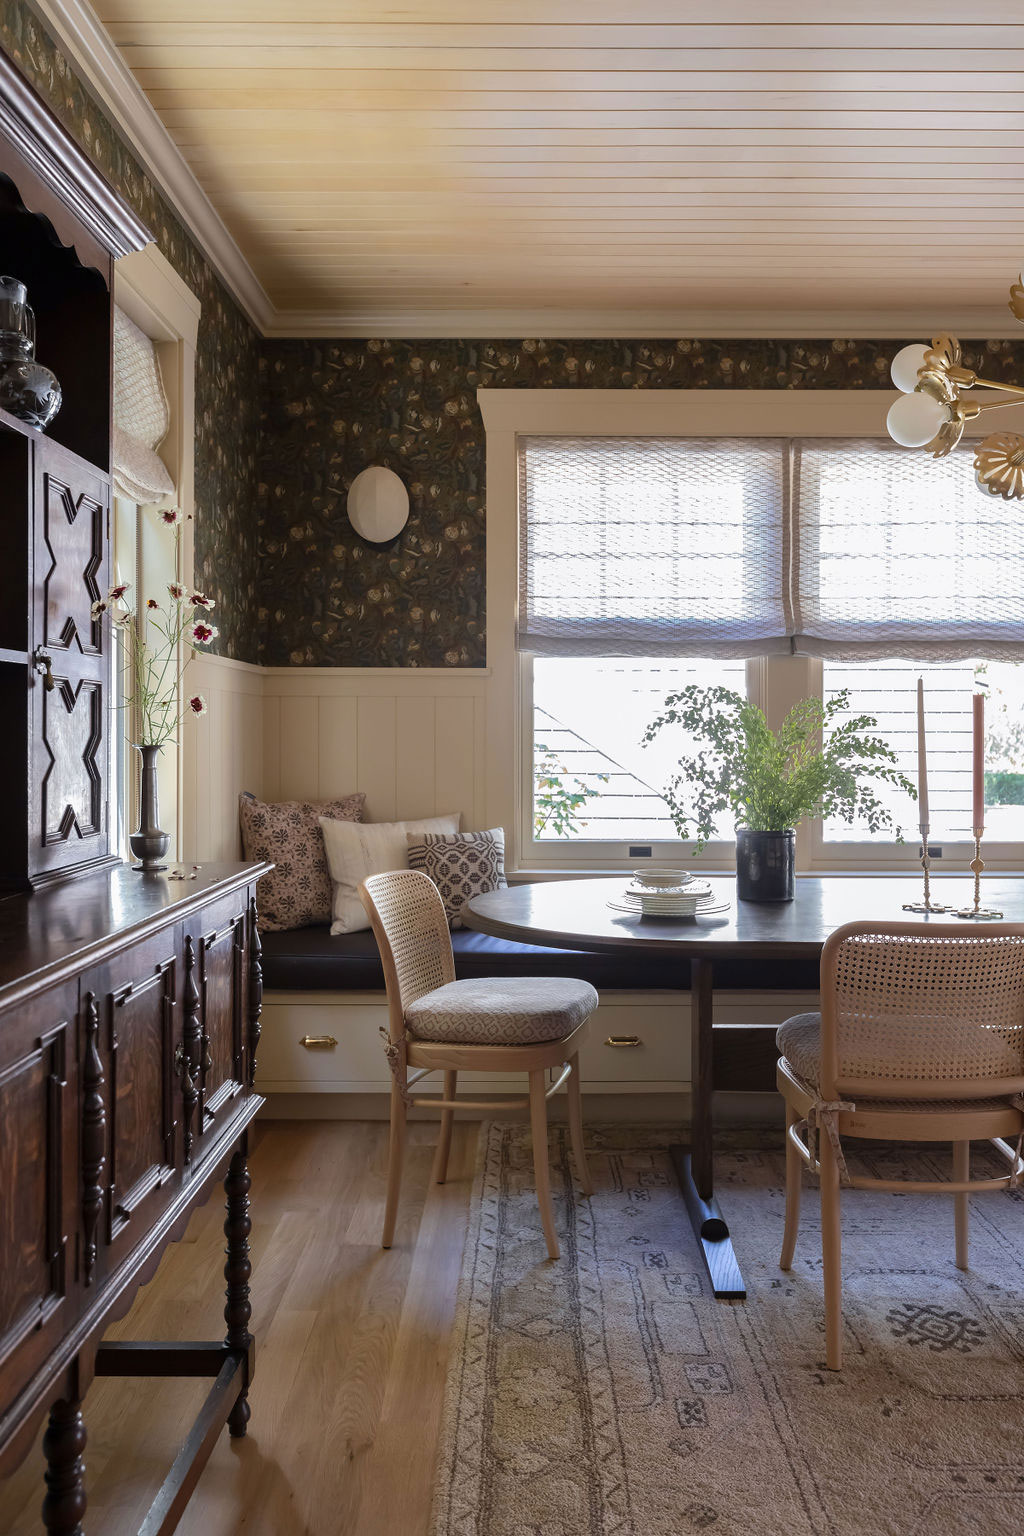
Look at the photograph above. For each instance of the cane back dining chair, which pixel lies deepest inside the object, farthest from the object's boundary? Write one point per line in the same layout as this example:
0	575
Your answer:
495	1024
920	1038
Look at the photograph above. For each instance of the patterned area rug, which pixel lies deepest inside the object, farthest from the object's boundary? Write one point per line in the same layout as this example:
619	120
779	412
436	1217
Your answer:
609	1394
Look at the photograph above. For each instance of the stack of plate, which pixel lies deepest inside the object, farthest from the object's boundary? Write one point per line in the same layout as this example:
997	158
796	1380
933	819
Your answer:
669	901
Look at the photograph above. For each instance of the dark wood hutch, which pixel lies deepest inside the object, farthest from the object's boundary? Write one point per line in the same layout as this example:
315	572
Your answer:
129	1003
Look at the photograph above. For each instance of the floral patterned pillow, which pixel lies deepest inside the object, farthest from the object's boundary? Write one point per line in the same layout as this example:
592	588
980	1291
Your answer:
297	892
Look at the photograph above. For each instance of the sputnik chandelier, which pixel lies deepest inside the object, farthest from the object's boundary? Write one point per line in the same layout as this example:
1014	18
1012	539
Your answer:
932	414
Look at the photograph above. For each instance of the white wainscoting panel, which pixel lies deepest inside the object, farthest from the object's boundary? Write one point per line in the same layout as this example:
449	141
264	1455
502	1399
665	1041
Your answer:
223	755
413	740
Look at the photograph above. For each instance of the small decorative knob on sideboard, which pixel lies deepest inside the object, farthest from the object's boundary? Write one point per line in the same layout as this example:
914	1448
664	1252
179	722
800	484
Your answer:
318	1042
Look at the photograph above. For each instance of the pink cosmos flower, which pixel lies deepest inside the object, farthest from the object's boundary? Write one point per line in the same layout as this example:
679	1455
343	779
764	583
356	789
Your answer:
116	593
171	516
202	633
98	609
197	704
176	590
151	602
200	600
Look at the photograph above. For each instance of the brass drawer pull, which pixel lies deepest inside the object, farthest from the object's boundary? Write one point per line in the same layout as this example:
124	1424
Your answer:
318	1042
624	1040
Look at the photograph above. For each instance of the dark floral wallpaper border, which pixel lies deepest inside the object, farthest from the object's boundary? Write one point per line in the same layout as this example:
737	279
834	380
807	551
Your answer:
227	364
330	408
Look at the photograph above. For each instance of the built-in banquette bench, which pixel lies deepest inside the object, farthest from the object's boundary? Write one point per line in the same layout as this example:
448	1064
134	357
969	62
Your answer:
323	1006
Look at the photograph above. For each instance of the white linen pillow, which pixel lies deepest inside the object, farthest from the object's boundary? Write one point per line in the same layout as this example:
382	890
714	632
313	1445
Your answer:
377	846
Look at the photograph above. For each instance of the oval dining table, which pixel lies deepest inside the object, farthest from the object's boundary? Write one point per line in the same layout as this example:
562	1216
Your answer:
575	914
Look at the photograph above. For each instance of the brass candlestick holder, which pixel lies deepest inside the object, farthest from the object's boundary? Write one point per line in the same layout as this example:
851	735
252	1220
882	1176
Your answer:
927	905
977	912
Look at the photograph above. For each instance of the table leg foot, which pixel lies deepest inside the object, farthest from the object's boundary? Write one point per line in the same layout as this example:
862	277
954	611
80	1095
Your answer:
712	1232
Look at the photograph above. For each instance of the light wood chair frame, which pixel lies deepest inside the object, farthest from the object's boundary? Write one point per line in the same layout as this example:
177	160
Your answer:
954	1124
426	1057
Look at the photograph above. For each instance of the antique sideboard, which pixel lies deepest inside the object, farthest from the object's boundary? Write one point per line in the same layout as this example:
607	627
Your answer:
129	1020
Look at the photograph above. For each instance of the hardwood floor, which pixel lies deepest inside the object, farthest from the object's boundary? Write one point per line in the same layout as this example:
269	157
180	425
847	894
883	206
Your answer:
351	1349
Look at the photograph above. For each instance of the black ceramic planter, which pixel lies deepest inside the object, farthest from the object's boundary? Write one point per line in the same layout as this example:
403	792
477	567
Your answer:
765	865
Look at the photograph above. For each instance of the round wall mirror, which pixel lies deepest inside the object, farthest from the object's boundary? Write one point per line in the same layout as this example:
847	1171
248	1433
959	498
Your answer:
378	505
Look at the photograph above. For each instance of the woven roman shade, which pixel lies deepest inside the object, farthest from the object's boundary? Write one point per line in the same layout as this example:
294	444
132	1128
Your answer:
900	555
141	415
652	546
732	547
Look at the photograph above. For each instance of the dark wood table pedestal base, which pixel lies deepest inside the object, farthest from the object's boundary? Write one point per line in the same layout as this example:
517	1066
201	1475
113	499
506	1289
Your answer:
694	1165
230	1363
711	1231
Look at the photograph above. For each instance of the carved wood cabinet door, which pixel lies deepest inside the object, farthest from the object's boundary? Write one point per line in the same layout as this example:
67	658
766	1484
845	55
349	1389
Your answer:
215	996
39	1190
69	758
130	1069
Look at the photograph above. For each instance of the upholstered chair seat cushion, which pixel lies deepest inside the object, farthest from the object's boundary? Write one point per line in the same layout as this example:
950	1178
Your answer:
799	1041
511	1010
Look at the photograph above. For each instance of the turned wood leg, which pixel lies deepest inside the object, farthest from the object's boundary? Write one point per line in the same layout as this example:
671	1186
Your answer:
961	1172
576	1126
794	1168
444	1143
63	1447
237	1270
541	1169
831	1254
396	1154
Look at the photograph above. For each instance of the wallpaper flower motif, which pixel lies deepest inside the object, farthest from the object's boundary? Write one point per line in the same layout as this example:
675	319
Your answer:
227	363
330	408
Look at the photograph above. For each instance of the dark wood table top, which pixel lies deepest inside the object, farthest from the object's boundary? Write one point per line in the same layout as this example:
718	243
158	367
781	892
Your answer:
49	933
574	914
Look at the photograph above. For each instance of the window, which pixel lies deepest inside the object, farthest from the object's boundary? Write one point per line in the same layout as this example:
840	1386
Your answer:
778	567
887	690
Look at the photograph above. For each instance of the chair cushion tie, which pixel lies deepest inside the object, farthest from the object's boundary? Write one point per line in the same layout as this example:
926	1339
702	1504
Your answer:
1017	1169
824	1114
394	1050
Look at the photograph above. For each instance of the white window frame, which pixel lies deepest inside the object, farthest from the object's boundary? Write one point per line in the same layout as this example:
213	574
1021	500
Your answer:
775	683
161	304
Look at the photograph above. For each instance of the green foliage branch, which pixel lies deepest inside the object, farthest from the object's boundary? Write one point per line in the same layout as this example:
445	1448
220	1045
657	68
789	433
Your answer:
772	780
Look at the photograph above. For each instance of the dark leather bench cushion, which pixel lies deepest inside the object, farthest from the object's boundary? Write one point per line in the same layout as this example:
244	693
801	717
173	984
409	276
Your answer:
311	960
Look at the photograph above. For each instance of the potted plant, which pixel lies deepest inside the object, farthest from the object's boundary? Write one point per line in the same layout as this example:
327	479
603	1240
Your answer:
155	635
772	780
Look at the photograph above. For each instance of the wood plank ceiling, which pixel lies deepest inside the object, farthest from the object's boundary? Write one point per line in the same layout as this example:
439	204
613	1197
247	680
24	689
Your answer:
446	167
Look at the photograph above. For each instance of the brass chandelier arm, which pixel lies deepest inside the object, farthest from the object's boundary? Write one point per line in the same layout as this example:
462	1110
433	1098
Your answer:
973	382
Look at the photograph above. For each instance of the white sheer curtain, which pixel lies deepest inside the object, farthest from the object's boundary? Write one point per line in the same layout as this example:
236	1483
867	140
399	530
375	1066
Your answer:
141	416
727	547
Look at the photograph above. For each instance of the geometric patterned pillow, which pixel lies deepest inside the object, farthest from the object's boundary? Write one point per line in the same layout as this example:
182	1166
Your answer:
461	865
297	892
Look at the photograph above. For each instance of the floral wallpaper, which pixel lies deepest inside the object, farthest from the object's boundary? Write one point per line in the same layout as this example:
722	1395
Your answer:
227	365
330	408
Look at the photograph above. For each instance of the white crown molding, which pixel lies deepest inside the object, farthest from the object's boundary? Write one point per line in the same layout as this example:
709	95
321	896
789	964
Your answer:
646	324
80	33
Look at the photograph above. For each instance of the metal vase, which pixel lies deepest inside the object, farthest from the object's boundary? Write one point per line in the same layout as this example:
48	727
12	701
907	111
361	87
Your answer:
149	844
765	865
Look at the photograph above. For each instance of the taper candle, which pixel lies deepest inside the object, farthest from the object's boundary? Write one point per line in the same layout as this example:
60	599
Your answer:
978	821
922	760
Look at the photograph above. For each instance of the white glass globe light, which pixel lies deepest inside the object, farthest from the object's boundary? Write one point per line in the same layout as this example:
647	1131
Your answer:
905	365
915	419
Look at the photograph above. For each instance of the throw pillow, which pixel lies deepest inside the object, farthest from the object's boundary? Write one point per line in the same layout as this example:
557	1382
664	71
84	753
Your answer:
371	848
287	834
461	865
